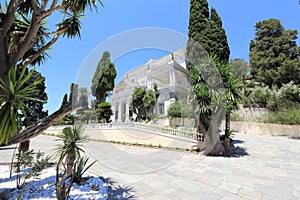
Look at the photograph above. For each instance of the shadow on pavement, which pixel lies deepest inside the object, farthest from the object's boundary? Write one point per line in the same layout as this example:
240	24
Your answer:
240	151
117	191
238	141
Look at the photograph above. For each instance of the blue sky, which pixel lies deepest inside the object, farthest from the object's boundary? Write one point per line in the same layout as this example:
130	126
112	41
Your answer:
239	18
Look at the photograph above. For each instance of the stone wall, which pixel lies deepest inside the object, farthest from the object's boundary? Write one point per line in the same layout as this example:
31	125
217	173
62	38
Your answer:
266	129
251	114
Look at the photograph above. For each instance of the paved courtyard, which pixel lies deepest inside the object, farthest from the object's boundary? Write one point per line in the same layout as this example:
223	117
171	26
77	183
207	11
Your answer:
267	168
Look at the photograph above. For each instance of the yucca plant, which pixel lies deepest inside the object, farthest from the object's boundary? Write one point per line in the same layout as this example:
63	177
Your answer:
14	94
73	139
81	168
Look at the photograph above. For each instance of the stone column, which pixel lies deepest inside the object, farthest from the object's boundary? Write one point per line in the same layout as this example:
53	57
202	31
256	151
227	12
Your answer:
149	82
113	108
172	76
127	110
120	112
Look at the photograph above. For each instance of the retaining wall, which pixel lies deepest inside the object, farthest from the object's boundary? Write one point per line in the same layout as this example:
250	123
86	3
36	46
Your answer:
266	129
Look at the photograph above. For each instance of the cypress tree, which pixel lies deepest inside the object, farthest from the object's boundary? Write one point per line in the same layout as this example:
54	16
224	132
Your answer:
207	31
104	78
198	26
219	45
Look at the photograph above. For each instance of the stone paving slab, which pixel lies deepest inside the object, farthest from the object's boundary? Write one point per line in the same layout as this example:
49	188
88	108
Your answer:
267	169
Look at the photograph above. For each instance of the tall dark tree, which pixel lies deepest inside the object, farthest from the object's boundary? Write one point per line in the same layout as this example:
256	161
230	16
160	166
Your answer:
36	112
198	23
104	78
207	31
218	39
274	54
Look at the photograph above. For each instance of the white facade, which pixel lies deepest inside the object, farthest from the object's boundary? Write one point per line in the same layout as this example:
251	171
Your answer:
168	73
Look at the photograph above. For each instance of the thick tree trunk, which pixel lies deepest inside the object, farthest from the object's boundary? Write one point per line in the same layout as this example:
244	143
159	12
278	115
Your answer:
215	144
212	140
43	125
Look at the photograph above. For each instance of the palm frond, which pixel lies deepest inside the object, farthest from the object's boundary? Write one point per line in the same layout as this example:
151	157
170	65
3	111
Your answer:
14	94
72	141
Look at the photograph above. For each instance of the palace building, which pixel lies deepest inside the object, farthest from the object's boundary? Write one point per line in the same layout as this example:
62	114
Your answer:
169	73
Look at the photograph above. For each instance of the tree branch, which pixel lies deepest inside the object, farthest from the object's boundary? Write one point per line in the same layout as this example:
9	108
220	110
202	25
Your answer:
54	32
29	38
40	127
44	4
32	57
49	12
10	16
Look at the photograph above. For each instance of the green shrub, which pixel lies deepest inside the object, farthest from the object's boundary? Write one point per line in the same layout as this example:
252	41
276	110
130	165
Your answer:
274	99
25	159
288	116
81	168
260	96
40	164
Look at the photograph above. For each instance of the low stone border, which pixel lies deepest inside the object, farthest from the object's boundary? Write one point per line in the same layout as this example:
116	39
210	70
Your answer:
257	128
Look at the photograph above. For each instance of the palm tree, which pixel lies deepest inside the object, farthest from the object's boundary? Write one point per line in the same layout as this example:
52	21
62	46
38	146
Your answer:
214	90
69	150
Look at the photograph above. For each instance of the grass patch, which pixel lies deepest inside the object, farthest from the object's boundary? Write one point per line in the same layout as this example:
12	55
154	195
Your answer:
235	117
